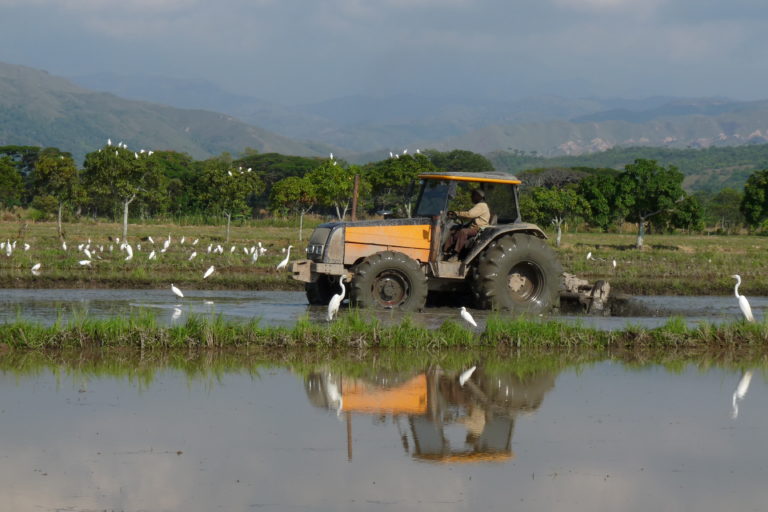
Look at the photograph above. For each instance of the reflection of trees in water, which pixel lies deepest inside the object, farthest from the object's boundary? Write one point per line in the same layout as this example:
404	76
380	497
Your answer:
484	408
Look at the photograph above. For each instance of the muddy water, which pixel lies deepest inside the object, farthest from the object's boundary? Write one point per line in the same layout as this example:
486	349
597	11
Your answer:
602	437
285	308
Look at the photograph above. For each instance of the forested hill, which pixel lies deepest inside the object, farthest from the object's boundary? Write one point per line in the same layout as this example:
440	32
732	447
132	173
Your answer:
40	109
710	169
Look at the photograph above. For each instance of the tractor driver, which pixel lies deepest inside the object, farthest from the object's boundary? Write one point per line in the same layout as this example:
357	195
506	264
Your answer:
479	216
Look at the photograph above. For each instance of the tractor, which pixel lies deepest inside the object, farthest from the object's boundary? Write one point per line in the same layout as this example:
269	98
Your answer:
395	263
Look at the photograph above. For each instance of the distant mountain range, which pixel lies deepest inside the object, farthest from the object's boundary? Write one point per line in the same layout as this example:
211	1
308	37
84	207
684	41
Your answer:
37	108
364	128
203	120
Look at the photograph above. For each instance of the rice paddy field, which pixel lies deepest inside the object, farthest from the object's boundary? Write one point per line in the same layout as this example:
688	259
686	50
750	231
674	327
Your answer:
668	265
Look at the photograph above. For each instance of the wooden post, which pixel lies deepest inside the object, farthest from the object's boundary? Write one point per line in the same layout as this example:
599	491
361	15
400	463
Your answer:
354	196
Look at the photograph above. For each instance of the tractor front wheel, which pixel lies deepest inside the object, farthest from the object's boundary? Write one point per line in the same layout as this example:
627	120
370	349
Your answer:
389	280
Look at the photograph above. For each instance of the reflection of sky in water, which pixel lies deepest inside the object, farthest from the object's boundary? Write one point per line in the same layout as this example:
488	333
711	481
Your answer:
603	438
285	308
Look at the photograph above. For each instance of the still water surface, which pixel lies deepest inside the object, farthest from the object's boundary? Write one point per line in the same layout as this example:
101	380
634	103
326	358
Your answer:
285	308
600	437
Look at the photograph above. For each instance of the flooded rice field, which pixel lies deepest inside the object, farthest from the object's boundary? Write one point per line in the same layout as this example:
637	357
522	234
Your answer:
601	436
285	308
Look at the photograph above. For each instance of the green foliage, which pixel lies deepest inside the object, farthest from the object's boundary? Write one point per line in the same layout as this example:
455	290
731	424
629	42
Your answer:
393	179
599	191
645	189
754	205
459	160
544	205
55	175
334	184
226	189
293	194
11	184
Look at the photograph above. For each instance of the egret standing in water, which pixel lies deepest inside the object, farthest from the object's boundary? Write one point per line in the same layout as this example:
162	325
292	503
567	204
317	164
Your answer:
176	291
743	302
284	263
467	317
333	305
465	375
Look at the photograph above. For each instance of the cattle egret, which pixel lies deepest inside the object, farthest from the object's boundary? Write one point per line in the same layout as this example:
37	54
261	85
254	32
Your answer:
589	255
195	242
85	263
465	375
182	240
743	302
109	142
192	256
64	245
467	317
152	255
740	392
333	305
26	247
232	249
210	246
255	256
36	269
176	291
150	240
614	263
284	263
208	272
129	250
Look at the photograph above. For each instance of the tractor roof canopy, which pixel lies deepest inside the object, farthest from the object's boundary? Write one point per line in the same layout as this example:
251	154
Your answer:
477	177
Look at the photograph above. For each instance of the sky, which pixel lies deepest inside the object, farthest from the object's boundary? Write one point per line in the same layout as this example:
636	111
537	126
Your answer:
296	51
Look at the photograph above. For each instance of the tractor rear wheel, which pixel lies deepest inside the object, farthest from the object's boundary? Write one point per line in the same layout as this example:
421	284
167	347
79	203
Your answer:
518	272
389	280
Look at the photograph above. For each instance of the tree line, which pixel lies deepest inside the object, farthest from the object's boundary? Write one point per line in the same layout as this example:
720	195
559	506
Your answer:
121	183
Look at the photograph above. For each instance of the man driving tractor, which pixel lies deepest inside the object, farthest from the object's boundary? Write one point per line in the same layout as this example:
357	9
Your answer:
478	216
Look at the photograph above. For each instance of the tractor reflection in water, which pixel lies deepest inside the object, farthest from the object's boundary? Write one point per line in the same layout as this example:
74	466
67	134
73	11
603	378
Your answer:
438	419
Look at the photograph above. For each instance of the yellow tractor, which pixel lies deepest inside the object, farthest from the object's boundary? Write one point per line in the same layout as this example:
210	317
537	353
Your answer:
395	263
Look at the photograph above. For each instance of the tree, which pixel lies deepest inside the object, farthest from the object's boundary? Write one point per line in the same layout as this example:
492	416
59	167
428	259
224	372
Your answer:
646	189
122	176
55	175
754	205
599	191
226	189
295	194
333	184
459	160
11	184
392	179
554	205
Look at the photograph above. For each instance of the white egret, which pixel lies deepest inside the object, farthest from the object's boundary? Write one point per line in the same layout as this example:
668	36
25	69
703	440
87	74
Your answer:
589	255
109	142
467	317
195	242
79	246
87	253
150	240
740	392
36	269
64	245
465	375
192	256
166	243
254	257
614	263
182	240
232	249
333	305
743	302
208	272
284	263
210	246
85	263
176	291
26	247
129	250
152	255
